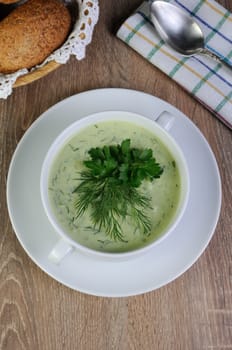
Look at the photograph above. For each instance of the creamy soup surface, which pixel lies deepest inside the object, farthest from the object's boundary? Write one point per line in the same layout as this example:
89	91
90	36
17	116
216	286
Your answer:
63	179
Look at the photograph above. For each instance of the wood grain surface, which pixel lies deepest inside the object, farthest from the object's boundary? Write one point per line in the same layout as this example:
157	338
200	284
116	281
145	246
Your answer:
37	313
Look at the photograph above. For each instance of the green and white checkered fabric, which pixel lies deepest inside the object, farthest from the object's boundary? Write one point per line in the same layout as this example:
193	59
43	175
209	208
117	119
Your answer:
208	81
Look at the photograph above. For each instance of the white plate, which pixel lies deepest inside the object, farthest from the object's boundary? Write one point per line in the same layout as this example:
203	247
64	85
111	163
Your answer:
159	266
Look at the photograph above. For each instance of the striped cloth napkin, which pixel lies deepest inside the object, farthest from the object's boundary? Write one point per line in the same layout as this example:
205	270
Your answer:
208	81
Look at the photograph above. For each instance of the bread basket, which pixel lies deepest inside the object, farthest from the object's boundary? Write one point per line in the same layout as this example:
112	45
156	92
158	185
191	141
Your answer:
84	15
36	74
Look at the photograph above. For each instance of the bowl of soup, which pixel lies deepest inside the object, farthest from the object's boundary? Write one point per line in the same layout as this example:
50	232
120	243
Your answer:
138	209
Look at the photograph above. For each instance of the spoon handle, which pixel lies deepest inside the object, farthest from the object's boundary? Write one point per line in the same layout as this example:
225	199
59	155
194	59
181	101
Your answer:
218	59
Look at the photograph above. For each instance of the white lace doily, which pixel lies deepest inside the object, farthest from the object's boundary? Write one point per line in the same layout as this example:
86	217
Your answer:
76	43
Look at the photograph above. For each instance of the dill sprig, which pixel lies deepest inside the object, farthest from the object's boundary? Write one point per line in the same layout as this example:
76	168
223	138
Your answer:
109	187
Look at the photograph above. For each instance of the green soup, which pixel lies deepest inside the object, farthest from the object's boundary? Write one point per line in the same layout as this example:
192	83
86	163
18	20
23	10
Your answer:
63	179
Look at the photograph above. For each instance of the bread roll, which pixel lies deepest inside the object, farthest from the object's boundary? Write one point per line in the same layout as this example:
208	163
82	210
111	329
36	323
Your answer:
8	1
31	32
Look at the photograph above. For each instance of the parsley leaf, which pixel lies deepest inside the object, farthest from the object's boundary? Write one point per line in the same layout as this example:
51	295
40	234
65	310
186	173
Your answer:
109	187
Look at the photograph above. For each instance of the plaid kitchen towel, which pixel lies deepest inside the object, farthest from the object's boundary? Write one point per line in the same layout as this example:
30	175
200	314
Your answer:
208	81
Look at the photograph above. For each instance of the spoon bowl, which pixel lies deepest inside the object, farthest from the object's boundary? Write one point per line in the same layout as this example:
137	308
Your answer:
179	30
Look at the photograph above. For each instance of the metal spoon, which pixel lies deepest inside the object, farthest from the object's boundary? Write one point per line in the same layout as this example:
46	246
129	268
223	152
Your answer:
179	30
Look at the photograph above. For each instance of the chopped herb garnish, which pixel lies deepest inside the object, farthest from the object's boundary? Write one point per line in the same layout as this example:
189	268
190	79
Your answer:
109	187
74	149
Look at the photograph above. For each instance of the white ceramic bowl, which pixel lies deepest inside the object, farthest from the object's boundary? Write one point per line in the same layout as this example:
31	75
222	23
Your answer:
66	244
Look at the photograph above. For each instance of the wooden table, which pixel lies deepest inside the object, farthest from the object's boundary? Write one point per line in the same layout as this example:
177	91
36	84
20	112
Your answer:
36	312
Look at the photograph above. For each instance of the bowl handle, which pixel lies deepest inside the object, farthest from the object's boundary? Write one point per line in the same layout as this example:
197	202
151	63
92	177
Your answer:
166	120
59	251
